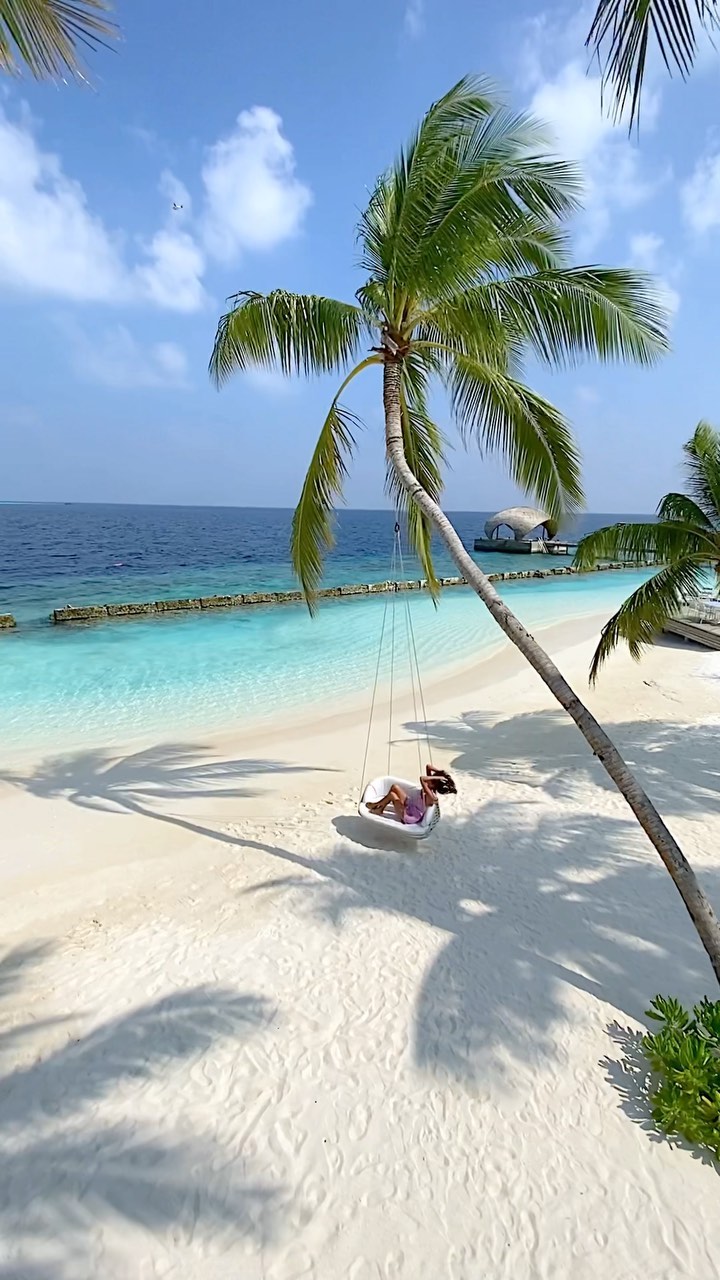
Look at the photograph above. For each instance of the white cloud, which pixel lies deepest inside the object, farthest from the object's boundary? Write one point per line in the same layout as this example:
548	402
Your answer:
173	276
253	198
569	103
52	243
646	252
700	195
49	240
116	359
587	395
414	21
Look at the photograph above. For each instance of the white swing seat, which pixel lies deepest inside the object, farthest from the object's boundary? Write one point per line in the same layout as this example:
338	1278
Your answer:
378	788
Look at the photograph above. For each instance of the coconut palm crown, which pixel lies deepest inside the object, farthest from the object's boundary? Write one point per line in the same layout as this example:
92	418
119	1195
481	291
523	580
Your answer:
685	540
467	271
47	36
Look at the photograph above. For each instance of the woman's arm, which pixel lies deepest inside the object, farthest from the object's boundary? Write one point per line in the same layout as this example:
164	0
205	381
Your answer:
428	794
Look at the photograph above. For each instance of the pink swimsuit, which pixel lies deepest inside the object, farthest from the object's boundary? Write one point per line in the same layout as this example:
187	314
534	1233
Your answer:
414	810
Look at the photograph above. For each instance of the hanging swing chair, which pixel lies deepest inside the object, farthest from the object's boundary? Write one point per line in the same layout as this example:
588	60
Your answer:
379	787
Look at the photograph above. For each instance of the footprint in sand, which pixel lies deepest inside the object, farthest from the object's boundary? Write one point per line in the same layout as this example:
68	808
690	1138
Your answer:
286	1139
358	1123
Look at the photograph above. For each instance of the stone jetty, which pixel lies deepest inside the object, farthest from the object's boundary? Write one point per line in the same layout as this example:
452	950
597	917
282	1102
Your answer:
100	612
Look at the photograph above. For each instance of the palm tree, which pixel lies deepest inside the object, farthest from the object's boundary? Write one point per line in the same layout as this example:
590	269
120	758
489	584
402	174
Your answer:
622	31
45	35
467	271
685	539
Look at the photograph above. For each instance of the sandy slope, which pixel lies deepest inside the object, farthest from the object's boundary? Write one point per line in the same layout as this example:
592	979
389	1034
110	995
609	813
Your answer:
241	1041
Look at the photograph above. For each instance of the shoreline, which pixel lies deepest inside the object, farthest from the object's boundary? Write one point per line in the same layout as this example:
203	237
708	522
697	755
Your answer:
497	661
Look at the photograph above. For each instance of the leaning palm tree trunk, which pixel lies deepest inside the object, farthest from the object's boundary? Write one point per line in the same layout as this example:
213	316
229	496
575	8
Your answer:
698	906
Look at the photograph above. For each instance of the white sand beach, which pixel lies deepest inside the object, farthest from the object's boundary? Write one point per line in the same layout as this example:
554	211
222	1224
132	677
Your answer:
243	1038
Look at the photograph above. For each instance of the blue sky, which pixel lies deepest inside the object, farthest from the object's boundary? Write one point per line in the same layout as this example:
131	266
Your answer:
269	125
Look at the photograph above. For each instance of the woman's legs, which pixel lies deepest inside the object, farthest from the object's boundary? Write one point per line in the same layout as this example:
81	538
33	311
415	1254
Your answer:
396	797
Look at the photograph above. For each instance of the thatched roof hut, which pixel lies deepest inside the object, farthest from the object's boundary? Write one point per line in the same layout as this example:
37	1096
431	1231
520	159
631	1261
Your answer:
521	521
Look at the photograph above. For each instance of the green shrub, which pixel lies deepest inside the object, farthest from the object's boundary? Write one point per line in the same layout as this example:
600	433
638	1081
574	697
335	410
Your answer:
685	1058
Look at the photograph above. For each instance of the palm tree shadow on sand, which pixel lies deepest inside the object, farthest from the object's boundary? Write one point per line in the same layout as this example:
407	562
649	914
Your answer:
530	911
678	763
150	782
63	1171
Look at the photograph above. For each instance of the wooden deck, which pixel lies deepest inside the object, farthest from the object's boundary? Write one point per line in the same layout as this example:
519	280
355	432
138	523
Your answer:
705	633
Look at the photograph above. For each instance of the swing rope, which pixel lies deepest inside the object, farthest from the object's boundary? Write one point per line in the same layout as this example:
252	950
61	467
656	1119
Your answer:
397	563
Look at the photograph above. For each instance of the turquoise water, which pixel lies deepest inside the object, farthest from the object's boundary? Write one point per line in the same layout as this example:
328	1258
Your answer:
117	680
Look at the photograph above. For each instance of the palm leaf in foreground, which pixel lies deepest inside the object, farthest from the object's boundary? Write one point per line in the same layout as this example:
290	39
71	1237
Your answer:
312	527
297	333
644	543
702	467
47	36
685	539
623	32
508	418
645	612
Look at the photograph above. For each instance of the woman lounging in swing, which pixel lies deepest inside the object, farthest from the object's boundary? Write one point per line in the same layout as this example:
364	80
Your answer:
410	806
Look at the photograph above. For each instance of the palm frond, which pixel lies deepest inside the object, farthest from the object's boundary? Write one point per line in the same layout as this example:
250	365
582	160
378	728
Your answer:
568	314
46	36
312	527
620	37
662	542
507	417
312	533
497	173
678	507
702	466
471	170
402	196
424	447
526	244
297	333
645	612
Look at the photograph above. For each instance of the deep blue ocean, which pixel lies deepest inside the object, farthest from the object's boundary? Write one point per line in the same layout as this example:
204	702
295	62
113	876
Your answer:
156	675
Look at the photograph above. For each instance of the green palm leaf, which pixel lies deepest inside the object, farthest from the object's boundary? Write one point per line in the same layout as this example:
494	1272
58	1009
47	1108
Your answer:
402	198
507	417
666	540
685	539
702	466
46	35
678	507
312	533
496	175
298	333
312	527
471	169
569	314
644	614
622	32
